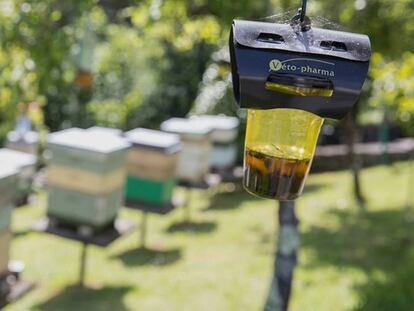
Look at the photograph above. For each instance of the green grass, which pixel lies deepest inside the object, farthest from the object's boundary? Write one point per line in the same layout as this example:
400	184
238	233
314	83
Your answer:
350	257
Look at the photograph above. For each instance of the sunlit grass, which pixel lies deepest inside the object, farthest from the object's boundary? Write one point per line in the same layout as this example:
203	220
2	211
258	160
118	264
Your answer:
224	260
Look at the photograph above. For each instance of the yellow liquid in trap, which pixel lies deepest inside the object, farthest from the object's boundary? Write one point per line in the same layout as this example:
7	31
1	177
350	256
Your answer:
280	144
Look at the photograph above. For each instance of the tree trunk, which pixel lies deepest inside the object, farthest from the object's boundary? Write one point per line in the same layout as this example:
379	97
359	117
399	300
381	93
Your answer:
350	127
285	259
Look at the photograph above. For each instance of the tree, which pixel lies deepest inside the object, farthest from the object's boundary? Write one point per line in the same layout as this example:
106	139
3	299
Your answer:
393	84
42	33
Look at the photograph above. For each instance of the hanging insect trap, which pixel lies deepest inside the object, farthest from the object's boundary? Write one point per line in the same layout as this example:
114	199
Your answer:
290	78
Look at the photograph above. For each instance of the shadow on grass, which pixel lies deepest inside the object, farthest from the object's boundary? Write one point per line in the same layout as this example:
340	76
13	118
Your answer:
313	187
145	256
86	299
21	233
368	240
223	201
372	241
192	226
395	292
229	200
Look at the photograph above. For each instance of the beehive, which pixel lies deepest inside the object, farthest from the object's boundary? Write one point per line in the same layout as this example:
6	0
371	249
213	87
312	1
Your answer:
5	237
28	143
105	130
86	176
193	161
5	216
224	134
26	166
8	185
151	165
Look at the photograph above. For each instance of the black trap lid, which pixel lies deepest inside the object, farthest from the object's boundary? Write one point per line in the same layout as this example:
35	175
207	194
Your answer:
277	66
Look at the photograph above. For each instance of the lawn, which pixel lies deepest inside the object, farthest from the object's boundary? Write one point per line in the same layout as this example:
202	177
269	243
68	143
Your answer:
351	257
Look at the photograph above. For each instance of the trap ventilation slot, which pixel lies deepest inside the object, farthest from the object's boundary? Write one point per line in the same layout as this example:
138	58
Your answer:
271	38
334	46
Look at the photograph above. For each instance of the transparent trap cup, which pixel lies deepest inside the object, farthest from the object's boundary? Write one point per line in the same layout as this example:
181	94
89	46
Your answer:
280	145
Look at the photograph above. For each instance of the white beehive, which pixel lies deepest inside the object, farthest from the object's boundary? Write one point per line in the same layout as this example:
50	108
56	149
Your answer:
25	164
224	134
194	158
105	130
27	143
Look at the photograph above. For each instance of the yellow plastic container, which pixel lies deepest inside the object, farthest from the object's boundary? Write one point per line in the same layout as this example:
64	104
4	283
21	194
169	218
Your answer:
280	145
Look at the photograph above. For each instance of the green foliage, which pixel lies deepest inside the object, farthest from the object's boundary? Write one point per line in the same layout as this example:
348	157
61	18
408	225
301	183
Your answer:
16	85
177	86
152	60
226	11
36	39
393	84
121	76
387	22
181	48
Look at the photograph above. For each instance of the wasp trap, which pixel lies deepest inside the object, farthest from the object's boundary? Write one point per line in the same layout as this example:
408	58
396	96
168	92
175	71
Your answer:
291	77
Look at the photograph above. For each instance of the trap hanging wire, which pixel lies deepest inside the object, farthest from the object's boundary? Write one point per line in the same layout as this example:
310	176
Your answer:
302	10
300	21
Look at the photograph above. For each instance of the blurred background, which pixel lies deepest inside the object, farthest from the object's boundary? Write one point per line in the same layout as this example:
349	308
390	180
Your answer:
126	64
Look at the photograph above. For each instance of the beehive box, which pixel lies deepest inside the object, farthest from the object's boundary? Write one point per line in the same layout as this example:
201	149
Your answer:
29	143
8	185
224	134
86	176
81	208
95	152
151	165
5	216
5	237
193	161
26	166
105	130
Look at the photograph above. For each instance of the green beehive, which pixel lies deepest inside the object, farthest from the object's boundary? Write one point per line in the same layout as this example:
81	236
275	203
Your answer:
151	166
25	164
86	177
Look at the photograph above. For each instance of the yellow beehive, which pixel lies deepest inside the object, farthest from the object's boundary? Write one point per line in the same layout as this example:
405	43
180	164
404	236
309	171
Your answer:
152	164
85	181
